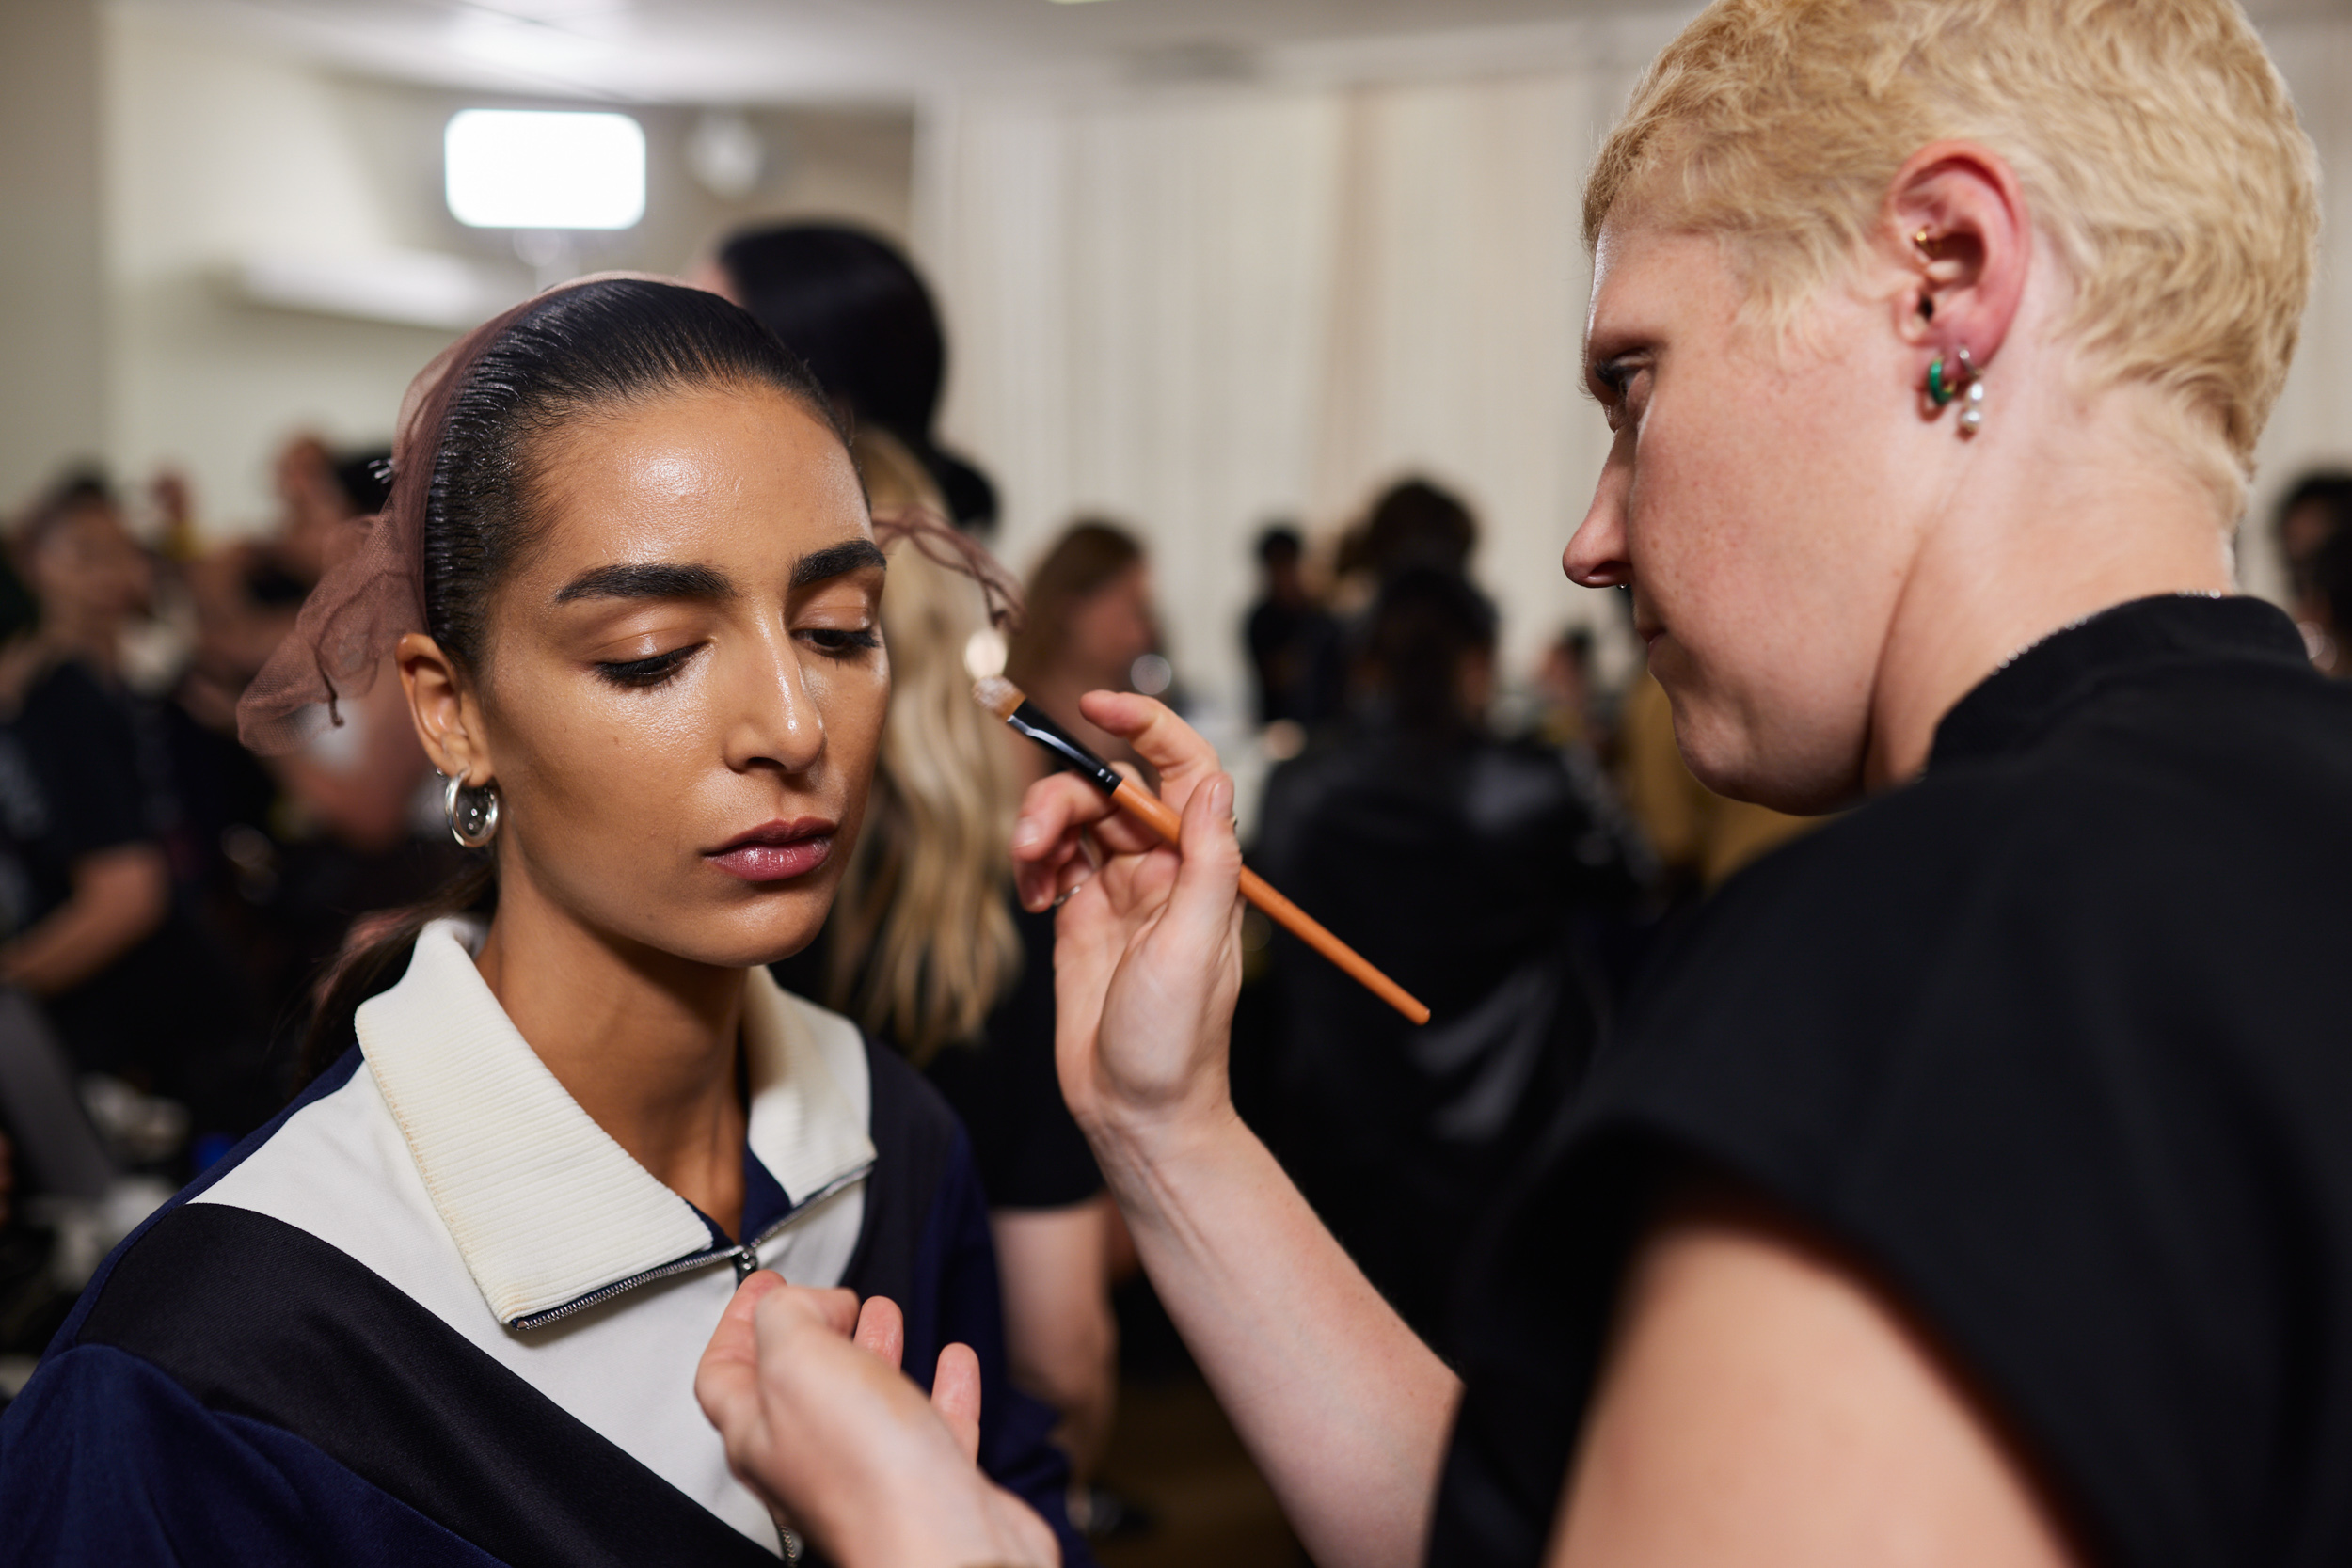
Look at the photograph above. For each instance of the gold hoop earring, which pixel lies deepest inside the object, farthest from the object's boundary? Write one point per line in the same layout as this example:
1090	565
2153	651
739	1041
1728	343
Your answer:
473	814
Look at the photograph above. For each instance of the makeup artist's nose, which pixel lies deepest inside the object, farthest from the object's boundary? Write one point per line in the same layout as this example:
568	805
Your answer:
1596	555
772	719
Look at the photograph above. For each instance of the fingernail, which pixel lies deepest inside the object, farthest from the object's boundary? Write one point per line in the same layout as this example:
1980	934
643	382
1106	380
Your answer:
1024	834
1221	796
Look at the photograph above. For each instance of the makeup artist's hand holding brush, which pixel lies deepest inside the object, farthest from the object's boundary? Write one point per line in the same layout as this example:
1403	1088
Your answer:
1344	1408
1129	898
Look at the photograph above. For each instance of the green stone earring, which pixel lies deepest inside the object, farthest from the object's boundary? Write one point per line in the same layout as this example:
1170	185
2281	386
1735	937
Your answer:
1940	391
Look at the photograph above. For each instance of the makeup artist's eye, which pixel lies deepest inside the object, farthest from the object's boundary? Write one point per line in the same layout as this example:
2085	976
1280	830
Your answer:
843	641
1613	386
638	673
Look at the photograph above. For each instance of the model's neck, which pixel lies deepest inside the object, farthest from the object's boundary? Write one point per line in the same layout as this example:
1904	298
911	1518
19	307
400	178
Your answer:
643	1040
2063	513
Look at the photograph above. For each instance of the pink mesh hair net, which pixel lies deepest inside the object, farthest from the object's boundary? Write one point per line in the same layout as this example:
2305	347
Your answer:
373	593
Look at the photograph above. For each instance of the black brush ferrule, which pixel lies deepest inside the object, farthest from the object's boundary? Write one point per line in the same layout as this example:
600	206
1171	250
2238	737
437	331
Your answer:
1030	721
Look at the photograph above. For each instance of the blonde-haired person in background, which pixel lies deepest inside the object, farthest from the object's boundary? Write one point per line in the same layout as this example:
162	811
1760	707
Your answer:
1967	1185
926	948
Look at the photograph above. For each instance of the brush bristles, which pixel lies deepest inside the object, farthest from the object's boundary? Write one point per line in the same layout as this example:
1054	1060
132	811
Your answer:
998	695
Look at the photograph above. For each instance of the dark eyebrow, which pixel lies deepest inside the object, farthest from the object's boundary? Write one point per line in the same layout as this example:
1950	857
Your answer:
834	560
648	580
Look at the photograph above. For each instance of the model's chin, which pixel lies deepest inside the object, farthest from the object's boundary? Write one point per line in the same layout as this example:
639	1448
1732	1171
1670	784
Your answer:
780	920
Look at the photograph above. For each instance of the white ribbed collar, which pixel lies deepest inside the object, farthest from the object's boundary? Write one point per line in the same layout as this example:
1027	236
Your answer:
545	1206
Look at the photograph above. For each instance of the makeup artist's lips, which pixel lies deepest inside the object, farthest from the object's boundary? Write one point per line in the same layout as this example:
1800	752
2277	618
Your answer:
776	851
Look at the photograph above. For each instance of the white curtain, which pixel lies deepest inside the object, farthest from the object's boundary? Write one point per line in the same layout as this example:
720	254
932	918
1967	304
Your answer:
2312	425
1195	310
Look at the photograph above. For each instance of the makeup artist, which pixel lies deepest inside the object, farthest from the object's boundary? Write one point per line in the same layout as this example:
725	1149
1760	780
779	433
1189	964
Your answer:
1971	1184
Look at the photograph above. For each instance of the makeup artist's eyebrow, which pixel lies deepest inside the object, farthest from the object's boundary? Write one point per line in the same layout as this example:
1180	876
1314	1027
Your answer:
834	560
648	580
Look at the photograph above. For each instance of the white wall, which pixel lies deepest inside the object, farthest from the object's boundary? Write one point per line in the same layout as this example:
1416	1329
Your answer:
52	309
217	149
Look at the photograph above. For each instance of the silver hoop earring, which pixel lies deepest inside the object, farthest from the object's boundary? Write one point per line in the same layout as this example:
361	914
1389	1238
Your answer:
473	814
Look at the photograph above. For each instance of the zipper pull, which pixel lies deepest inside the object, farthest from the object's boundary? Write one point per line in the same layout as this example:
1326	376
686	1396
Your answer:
746	1261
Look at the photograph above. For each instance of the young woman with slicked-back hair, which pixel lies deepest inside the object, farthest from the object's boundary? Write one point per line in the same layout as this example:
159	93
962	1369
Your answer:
446	1309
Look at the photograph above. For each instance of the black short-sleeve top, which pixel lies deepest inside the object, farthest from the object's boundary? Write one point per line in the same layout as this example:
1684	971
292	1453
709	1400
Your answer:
2057	1041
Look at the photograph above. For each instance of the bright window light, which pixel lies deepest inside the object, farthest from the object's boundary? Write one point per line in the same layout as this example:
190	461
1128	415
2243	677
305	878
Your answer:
515	168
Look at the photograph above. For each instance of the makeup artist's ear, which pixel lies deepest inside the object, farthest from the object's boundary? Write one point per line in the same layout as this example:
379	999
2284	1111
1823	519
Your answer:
1962	240
441	701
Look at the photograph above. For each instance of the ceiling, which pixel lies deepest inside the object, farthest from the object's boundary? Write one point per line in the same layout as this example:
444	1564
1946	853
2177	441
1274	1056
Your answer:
765	51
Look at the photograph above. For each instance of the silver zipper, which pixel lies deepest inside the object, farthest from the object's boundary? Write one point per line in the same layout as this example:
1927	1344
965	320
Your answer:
745	1256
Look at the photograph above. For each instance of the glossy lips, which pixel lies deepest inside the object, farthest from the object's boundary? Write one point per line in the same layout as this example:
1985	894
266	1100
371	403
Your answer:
776	851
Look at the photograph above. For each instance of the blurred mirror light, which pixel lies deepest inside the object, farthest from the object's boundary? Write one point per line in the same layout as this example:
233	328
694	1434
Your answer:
529	169
726	156
984	654
1151	675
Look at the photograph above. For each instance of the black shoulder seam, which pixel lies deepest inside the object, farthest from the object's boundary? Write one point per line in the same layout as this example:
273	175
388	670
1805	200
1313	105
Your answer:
256	1318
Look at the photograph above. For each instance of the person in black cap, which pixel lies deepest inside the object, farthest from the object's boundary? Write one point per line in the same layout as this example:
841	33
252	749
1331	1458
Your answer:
852	306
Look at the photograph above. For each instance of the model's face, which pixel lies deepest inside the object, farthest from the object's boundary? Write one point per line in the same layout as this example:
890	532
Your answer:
1754	501
684	682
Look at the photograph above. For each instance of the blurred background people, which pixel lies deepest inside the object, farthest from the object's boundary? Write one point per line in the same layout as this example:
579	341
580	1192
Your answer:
1296	654
298	847
1090	627
2316	545
1472	869
104	938
1414	522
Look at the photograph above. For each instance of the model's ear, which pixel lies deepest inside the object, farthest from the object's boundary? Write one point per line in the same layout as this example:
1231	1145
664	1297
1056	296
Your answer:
1958	220
441	702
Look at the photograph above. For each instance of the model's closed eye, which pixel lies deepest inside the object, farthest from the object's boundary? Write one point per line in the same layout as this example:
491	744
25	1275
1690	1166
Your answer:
638	673
842	641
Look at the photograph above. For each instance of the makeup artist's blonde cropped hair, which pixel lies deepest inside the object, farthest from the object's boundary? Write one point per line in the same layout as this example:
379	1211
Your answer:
2160	156
923	942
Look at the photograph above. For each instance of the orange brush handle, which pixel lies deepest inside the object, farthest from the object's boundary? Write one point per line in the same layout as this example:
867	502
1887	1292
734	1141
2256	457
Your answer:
1161	818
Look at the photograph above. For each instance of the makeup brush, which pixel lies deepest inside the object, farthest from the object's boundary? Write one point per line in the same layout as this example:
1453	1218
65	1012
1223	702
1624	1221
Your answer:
1006	702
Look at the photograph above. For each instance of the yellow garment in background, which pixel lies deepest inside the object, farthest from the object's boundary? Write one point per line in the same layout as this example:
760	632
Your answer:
1691	829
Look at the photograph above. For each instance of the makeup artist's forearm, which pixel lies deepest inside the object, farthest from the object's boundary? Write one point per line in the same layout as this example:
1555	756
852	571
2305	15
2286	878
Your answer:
1344	1409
